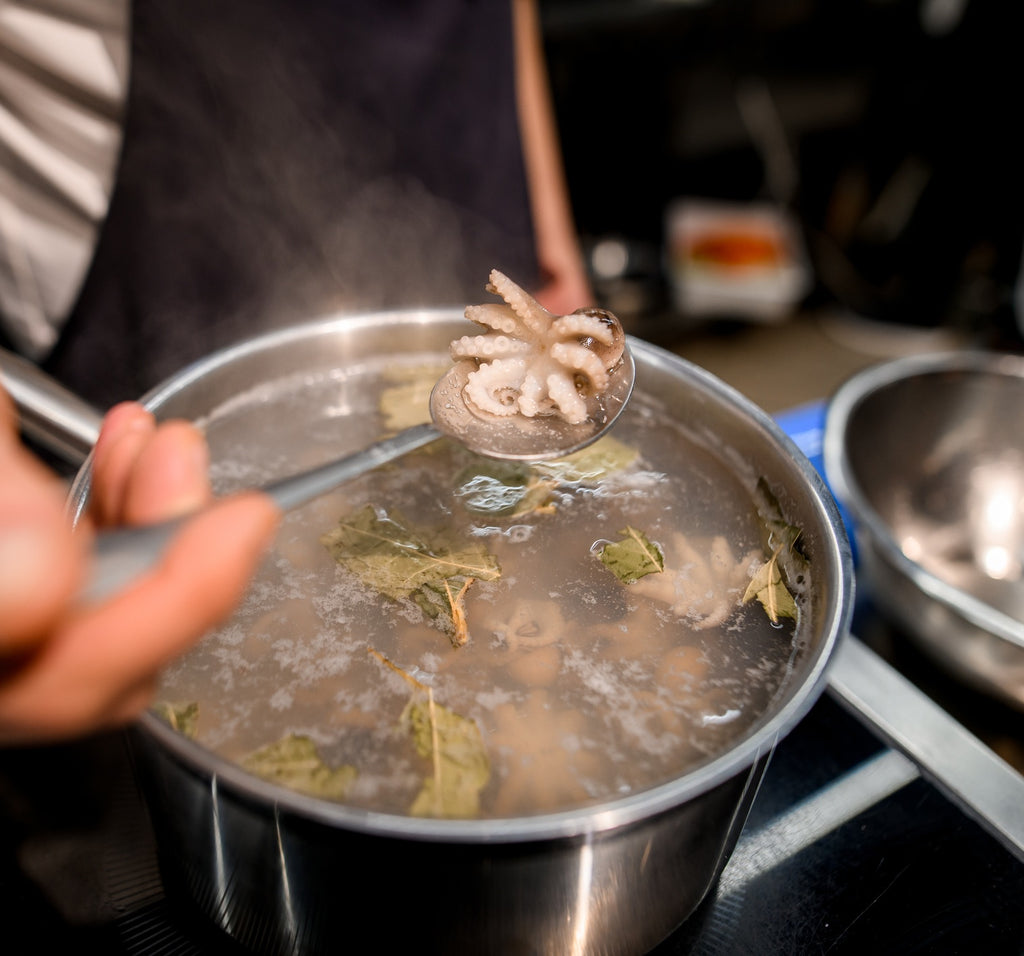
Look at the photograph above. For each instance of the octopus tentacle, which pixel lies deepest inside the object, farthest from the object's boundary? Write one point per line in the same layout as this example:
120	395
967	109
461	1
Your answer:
582	327
533	394
487	347
499	317
611	342
581	360
564	394
534	363
495	387
533	314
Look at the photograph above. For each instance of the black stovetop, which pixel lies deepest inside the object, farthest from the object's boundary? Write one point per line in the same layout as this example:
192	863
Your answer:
847	850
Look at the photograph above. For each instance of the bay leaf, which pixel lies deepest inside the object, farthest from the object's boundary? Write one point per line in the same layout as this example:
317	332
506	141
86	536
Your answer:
589	464
502	488
782	537
633	556
183	717
400	561
294	762
461	767
406	402
768	587
788	568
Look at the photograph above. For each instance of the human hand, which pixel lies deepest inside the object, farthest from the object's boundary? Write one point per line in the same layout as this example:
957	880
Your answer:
66	668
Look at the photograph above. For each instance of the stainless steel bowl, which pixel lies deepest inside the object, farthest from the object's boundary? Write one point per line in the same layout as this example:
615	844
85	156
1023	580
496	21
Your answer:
927	455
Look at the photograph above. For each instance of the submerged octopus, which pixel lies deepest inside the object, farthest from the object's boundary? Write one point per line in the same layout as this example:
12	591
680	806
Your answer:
704	588
531	362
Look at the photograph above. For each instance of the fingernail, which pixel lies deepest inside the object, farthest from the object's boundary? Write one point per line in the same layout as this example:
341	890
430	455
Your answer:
187	473
124	419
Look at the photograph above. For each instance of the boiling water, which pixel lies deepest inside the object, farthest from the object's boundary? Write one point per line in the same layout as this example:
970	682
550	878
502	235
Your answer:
583	688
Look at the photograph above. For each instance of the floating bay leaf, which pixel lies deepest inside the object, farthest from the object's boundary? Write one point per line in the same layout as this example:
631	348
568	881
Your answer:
398	560
502	488
603	457
407	401
768	587
511	489
633	556
295	763
456	748
787	569
183	717
782	537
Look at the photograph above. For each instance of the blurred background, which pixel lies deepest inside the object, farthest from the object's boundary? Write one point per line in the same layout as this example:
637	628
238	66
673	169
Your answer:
871	141
753	180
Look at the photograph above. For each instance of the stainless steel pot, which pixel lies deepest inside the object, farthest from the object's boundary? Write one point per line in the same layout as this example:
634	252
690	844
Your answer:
281	872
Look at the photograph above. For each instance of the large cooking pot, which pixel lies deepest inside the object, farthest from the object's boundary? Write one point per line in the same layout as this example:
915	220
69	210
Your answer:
281	872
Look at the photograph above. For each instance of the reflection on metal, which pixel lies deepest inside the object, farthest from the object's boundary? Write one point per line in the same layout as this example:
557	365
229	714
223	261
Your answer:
581	935
996	510
983	785
924	454
759	852
287	909
222	911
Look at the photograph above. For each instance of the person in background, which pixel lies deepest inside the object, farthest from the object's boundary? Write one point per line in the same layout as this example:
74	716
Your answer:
279	161
284	161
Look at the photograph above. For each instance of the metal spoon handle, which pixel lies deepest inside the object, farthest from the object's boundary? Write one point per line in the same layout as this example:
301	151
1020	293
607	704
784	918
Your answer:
122	556
302	488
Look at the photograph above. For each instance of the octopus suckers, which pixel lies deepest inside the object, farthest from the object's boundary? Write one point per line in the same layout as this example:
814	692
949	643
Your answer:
531	362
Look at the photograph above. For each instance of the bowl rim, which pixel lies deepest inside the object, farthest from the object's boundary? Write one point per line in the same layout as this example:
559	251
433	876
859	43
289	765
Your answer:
844	403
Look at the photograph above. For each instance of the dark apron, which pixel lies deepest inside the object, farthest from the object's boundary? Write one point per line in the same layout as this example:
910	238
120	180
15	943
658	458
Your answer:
284	159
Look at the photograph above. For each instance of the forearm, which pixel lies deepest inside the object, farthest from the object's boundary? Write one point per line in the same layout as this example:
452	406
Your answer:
558	249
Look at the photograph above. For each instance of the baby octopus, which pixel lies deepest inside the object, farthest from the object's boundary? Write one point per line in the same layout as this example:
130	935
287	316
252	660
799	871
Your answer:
703	587
531	362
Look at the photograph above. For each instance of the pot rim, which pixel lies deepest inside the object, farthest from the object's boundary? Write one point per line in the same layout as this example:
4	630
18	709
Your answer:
843	406
756	743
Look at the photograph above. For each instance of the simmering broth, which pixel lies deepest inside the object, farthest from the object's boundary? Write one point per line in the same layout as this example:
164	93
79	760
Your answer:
583	688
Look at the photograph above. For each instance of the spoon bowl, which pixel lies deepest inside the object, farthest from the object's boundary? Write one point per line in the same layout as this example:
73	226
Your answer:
517	438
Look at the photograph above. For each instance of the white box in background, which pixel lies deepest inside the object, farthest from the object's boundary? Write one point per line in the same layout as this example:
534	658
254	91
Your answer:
734	260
